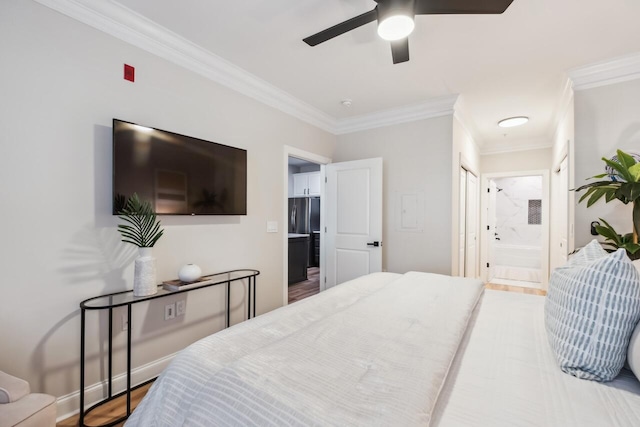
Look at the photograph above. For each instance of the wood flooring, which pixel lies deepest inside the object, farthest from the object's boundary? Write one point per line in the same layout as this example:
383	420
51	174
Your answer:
302	290
297	291
518	289
109	411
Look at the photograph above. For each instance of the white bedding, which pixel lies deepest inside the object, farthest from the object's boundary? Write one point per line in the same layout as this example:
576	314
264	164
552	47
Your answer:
387	349
375	352
506	375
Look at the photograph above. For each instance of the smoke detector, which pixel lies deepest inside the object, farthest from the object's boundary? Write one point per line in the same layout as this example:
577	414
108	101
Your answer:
346	103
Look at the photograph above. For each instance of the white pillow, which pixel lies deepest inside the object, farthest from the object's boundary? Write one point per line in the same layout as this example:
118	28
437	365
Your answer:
591	309
633	353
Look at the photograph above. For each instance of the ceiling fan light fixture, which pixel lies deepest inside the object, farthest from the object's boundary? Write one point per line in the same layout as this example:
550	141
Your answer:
396	27
513	121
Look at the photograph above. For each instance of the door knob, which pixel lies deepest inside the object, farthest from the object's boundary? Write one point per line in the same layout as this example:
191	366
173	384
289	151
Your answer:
376	244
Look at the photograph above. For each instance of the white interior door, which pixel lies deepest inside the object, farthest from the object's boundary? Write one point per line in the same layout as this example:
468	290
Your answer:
491	228
563	217
353	220
471	253
462	222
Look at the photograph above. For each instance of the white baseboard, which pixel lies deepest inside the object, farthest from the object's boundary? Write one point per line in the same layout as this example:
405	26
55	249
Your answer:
69	405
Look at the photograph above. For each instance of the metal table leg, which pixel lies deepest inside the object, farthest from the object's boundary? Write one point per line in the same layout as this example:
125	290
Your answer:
82	330
129	360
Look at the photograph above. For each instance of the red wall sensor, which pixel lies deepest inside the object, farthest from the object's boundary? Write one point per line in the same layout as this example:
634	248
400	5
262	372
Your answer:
129	73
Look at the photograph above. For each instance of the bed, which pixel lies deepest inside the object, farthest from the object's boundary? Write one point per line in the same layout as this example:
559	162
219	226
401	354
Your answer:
417	349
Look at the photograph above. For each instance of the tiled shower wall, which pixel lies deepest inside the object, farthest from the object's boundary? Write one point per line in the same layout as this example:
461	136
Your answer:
518	210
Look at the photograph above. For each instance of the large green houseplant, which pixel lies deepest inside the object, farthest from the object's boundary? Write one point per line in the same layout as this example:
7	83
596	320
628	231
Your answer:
622	183
142	229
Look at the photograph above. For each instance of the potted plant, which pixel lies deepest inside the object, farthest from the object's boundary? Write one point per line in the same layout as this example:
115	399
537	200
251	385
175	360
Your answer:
142	229
623	184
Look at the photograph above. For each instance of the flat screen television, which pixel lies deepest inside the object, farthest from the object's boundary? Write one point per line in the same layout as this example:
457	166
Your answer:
178	174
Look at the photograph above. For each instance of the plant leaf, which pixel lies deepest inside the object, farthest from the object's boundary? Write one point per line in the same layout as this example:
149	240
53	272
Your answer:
622	170
141	228
625	159
635	172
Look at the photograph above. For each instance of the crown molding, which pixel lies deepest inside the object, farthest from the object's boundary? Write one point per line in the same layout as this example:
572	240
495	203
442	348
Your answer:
604	73
435	107
133	28
125	24
460	113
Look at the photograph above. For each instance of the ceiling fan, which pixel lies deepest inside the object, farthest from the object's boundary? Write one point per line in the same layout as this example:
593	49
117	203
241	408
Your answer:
395	19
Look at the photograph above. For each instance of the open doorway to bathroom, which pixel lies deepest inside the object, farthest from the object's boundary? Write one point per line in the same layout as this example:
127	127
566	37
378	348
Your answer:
516	243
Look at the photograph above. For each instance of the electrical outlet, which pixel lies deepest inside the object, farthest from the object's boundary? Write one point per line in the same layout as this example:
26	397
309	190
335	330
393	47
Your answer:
125	322
170	311
180	307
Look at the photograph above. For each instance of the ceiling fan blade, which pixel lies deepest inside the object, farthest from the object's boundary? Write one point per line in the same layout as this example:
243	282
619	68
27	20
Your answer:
400	50
342	28
436	7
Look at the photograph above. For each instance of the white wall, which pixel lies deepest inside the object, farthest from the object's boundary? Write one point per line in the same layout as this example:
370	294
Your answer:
563	146
61	84
516	161
416	158
606	118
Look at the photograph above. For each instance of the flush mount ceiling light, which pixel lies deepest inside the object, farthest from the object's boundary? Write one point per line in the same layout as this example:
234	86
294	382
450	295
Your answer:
513	121
396	20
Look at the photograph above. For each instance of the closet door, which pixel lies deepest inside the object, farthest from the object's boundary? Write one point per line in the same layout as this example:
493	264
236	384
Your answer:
471	211
462	222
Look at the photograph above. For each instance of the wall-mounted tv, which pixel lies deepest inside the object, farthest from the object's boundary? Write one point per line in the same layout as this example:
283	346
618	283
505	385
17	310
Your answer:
178	174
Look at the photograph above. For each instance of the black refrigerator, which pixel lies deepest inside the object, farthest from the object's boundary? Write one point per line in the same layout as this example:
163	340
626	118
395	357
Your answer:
304	218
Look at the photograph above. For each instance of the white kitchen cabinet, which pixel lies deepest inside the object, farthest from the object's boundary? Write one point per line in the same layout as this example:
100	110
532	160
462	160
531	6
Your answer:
306	184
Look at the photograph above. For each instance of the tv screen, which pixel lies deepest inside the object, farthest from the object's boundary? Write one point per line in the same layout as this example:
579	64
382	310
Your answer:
178	174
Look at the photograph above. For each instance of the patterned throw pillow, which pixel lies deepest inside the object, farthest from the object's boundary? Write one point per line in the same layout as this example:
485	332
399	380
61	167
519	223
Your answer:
587	254
591	310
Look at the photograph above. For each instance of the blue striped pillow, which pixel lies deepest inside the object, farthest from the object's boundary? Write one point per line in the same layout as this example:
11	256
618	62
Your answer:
591	310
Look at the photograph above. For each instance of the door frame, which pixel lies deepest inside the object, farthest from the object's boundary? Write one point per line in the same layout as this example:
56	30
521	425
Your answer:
484	205
310	157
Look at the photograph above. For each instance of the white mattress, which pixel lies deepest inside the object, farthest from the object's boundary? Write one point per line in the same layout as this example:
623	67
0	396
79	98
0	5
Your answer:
505	375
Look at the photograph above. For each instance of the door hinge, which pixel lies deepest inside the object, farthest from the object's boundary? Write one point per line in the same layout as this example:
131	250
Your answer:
488	190
487	227
325	229
325	179
487	265
325	279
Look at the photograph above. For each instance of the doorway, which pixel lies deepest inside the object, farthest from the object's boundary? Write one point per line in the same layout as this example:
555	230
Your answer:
303	260
303	228
516	243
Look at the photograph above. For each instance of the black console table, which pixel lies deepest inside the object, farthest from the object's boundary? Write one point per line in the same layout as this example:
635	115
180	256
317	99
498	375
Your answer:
126	298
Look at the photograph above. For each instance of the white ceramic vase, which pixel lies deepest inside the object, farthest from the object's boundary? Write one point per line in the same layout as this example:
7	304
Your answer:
189	273
144	276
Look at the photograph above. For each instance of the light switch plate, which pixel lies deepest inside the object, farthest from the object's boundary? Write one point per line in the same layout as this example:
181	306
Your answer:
272	226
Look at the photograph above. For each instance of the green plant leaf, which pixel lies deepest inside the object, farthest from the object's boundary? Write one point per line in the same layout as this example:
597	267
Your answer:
625	159
635	172
597	194
609	235
609	232
632	248
596	184
141	228
602	175
622	170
